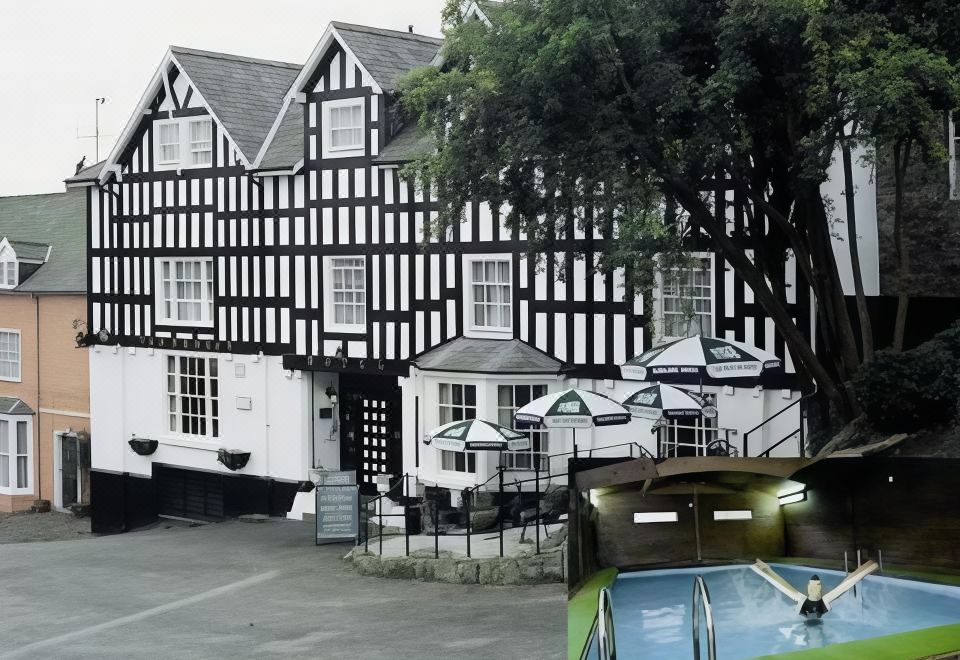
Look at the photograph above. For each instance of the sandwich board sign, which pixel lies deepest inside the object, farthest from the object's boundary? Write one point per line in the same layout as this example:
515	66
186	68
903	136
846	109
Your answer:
338	516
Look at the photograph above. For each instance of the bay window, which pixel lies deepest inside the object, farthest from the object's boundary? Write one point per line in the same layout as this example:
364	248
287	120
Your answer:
457	402
15	454
509	399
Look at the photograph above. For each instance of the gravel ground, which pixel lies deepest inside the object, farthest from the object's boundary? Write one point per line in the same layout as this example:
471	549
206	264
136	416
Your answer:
30	527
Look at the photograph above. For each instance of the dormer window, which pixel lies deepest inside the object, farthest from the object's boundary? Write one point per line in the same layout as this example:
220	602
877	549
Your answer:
344	128
185	142
8	274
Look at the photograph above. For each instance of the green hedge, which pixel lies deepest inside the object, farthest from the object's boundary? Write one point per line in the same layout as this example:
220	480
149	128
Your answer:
907	391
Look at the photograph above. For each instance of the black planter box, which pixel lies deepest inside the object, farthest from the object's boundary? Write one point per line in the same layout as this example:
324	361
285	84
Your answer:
143	446
233	459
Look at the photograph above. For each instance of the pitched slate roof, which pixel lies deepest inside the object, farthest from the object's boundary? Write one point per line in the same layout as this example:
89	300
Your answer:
29	251
88	173
488	356
286	148
12	406
245	93
388	54
409	144
58	220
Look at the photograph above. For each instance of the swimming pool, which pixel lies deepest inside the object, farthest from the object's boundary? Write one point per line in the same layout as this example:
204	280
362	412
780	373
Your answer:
652	617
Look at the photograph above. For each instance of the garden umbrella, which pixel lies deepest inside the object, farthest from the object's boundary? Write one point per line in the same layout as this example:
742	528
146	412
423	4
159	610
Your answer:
697	357
476	435
664	401
573	409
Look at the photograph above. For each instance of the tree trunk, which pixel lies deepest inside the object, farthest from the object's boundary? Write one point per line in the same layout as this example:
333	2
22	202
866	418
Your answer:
866	327
901	159
799	345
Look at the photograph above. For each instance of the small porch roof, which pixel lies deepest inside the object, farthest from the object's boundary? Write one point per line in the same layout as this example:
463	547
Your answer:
488	356
12	406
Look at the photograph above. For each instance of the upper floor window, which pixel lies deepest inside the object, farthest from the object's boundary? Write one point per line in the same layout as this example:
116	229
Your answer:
491	295
8	274
186	291
346	308
343	128
184	142
15	468
685	301
10	355
457	402
193	395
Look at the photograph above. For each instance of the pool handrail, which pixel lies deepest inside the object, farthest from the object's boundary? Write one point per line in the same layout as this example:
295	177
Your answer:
606	640
701	596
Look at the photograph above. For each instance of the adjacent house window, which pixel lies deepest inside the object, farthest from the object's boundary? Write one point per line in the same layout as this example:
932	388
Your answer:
509	398
14	454
10	355
193	396
201	142
490	288
8	274
346	126
686	301
184	142
346	306
186	291
457	402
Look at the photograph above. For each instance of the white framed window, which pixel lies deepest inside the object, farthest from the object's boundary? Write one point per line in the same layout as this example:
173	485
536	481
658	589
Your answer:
185	291
457	402
10	355
489	284
193	395
685	300
183	142
201	142
509	398
168	141
8	274
344	128
346	294
954	148
16	459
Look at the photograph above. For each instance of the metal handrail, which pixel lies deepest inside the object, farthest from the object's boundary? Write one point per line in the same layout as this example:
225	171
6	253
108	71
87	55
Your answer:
766	453
606	641
701	595
746	436
576	452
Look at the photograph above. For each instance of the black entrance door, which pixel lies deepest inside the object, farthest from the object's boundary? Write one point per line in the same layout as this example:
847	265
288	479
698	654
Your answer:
69	467
370	423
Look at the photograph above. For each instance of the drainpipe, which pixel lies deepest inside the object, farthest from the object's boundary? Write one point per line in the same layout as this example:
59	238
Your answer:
36	431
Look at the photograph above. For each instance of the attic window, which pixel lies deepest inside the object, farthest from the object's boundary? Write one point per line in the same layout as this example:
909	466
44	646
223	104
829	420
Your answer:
345	124
184	142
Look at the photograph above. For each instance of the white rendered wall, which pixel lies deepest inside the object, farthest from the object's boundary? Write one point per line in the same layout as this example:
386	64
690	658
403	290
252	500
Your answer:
865	196
127	398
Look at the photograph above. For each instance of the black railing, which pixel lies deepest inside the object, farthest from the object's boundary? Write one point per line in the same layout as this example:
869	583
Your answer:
766	453
746	436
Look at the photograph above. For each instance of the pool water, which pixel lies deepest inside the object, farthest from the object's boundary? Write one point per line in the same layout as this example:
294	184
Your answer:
652	612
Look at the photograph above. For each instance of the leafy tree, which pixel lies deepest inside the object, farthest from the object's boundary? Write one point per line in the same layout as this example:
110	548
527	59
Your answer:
629	116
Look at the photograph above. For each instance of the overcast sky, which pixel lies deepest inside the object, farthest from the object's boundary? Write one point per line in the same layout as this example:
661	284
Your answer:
59	55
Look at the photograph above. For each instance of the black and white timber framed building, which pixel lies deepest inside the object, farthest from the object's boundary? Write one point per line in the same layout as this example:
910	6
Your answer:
259	282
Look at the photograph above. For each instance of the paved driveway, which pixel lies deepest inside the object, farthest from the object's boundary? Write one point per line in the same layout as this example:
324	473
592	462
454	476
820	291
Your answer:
239	589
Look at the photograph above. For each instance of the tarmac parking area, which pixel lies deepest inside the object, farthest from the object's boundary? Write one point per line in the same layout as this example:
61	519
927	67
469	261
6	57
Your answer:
245	590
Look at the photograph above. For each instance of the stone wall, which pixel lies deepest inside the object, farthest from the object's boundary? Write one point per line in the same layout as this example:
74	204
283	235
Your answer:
546	567
932	230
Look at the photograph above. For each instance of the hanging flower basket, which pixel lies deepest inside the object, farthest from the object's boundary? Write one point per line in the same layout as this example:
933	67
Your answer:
143	446
233	459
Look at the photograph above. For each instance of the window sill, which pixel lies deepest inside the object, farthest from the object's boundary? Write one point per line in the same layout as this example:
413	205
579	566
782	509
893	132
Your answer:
16	492
489	333
355	328
11	380
353	147
203	443
185	324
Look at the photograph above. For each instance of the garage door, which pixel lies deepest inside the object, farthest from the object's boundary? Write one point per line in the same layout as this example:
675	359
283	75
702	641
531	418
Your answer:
189	494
